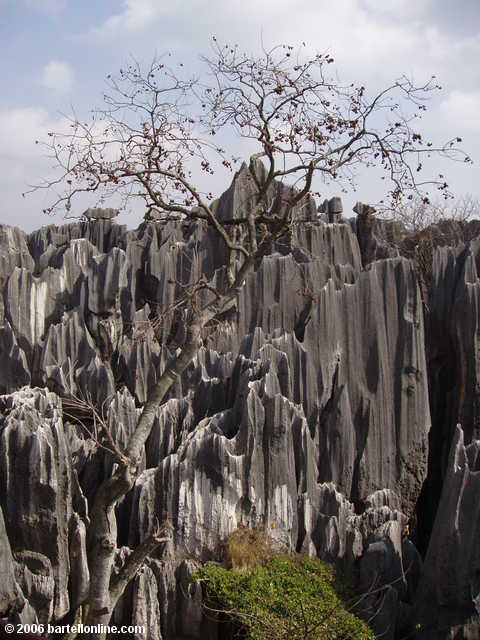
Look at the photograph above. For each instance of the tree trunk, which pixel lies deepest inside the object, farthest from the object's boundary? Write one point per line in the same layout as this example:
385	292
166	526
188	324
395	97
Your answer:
102	534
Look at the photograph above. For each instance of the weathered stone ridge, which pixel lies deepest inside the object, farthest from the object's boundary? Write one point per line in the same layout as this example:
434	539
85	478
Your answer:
306	412
453	550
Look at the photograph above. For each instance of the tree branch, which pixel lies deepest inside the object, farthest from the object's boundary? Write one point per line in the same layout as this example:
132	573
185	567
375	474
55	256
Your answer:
135	560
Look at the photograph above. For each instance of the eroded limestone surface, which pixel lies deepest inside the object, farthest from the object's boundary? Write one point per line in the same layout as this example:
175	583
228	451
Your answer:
306	411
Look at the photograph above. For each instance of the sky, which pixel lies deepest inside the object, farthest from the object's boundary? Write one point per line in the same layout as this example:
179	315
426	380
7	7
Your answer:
56	54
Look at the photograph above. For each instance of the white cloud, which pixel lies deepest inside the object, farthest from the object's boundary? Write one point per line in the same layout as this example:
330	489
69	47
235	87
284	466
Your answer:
58	77
19	128
373	41
461	109
137	15
22	163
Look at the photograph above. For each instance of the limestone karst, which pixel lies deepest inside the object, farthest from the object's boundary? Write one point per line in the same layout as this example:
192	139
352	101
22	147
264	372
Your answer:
311	412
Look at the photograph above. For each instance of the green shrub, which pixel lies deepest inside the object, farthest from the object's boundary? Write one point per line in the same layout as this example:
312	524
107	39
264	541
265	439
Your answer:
285	597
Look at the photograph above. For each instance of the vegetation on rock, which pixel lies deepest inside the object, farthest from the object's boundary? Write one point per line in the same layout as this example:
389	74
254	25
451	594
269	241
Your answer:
273	595
294	597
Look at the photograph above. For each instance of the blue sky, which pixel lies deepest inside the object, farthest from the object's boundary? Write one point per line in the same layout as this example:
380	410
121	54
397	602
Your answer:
55	54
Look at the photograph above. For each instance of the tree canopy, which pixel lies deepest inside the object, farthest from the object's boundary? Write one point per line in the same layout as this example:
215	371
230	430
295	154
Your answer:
159	129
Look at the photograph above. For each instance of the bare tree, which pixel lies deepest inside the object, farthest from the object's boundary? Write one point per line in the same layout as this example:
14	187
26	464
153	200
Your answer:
158	129
419	213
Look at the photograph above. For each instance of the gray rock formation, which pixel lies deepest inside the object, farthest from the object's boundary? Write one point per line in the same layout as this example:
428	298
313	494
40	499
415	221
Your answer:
331	210
100	214
452	323
36	490
10	592
449	595
378	239
306	411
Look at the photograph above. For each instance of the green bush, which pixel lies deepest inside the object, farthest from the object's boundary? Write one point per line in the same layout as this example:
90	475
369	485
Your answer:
285	597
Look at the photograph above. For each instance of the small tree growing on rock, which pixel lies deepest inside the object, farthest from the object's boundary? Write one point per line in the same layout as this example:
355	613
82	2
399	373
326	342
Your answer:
420	226
157	132
419	213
